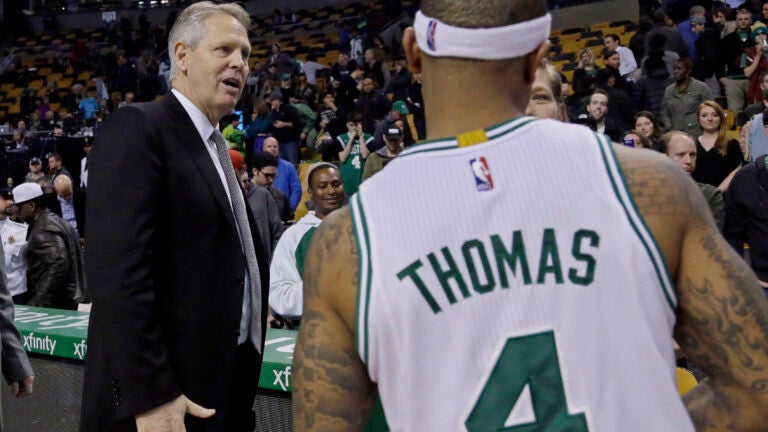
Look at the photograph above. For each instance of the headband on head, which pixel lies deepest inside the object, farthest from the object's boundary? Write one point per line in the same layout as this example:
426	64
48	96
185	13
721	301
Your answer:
438	39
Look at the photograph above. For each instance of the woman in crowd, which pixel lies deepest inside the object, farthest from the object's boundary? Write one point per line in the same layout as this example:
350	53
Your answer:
755	58
584	74
648	127
546	100
306	91
633	138
717	157
258	129
400	82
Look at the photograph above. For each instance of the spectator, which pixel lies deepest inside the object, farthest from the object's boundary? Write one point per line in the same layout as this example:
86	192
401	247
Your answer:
287	179
283	61
128	99
258	129
584	74
760	106
353	151
55	276
731	70
35	171
56	167
746	216
597	109
705	62
682	99
84	163
356	47
612	60
393	145
305	91
648	92
311	67
416	106
261	204
326	192
89	107
264	167
635	139
286	128
330	117
673	40
400	81
72	203
756	62
234	136
308	131
686	31
756	140
680	147
14	238
372	104
628	64
647	126
724	19
399	111
376	69
621	111
718	158
546	100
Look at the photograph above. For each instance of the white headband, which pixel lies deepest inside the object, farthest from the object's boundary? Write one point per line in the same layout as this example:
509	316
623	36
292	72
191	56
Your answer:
439	39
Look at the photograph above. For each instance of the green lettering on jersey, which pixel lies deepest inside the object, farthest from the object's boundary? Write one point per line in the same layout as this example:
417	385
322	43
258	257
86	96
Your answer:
411	272
445	276
549	262
579	255
490	281
512	257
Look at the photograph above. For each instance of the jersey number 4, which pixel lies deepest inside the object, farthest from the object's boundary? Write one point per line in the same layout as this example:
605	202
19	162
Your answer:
524	391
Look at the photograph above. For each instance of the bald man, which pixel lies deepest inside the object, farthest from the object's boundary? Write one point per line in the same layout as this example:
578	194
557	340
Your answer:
681	148
287	180
72	202
544	294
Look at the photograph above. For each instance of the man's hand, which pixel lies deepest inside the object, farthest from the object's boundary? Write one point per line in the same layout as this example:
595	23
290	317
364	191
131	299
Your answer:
169	417
23	387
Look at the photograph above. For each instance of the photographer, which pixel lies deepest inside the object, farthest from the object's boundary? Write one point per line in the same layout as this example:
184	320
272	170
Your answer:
756	62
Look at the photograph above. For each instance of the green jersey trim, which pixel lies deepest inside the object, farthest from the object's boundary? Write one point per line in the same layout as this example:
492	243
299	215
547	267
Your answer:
362	242
492	132
621	189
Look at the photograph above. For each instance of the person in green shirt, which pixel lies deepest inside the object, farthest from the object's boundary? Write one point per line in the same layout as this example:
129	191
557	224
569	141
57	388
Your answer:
353	153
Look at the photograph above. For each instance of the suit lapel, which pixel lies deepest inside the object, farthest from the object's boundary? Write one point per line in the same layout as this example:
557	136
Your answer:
190	141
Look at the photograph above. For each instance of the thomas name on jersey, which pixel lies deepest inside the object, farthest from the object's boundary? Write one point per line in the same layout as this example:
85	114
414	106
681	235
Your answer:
487	272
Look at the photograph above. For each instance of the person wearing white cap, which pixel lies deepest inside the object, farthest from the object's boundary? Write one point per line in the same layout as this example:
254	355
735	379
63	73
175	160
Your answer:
558	261
326	192
55	272
14	237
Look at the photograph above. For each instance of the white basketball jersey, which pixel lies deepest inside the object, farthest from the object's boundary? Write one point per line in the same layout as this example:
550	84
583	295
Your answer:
512	285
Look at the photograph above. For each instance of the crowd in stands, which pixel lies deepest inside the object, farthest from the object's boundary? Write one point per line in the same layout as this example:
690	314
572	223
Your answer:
355	104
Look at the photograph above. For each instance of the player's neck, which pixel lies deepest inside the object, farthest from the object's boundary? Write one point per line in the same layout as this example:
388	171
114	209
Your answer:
451	113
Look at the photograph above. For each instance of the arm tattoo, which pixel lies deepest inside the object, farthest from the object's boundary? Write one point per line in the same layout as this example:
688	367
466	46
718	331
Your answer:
655	189
736	320
331	387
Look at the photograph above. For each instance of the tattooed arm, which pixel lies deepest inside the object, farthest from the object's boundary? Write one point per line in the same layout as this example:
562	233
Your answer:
722	317
331	388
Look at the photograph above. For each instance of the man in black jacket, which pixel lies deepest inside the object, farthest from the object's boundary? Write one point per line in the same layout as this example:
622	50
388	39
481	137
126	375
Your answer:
55	273
746	217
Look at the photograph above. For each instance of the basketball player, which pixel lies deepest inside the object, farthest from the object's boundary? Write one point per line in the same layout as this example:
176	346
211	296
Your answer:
543	296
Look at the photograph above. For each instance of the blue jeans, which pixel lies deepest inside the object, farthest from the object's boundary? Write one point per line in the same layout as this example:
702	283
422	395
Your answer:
290	151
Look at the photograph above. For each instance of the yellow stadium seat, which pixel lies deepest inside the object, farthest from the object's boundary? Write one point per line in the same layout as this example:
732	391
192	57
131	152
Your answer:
301	209
685	381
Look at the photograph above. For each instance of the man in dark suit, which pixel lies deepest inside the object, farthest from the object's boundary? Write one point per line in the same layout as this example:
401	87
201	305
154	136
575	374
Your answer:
180	281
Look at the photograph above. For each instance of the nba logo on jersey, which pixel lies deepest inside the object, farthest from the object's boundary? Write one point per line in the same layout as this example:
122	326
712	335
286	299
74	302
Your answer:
431	29
482	174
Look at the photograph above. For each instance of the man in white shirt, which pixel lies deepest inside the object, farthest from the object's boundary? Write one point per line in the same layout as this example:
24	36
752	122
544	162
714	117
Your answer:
628	64
14	237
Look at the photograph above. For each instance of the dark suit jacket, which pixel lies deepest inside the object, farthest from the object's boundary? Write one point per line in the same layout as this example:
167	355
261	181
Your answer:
166	267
